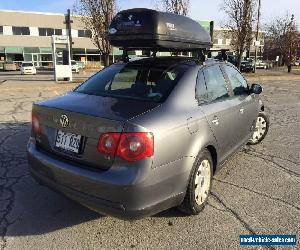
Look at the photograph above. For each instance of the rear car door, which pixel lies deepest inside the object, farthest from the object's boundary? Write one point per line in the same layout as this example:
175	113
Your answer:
247	106
215	101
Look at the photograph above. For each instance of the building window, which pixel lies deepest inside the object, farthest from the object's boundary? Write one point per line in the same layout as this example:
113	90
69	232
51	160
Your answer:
20	31
58	32
42	32
84	33
49	32
1	30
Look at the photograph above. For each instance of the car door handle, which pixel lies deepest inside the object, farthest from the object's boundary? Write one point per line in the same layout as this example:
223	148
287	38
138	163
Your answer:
215	120
242	110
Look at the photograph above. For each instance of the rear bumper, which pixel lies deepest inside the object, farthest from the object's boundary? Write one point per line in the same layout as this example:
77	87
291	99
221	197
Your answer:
103	191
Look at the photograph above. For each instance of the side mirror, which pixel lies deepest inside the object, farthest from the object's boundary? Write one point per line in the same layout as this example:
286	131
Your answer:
256	89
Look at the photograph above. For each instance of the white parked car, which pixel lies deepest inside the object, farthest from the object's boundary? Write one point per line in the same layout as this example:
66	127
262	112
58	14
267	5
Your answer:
261	65
27	68
75	66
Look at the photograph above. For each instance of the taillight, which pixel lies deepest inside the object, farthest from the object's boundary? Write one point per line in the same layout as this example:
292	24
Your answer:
131	146
108	143
35	124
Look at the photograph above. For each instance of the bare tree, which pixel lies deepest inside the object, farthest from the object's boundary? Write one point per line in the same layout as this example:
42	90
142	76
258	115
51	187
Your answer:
97	15
180	7
292	43
283	36
257	32
240	22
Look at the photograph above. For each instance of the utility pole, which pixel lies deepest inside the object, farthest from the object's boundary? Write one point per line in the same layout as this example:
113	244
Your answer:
68	23
257	33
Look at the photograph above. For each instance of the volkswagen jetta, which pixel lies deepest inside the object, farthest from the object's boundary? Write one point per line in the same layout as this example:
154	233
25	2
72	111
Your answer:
144	136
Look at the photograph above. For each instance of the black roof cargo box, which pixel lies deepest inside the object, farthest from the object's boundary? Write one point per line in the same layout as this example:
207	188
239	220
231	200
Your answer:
150	29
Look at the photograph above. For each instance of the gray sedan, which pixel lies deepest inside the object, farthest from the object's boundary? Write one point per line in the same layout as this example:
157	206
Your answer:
144	136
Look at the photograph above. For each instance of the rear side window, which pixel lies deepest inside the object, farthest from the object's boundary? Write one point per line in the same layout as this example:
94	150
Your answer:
215	82
238	82
201	90
149	82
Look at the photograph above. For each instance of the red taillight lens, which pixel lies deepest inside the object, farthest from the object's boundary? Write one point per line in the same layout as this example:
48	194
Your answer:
135	146
35	124
108	143
129	146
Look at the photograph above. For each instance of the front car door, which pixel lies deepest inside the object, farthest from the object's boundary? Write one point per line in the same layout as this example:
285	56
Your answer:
216	102
247	106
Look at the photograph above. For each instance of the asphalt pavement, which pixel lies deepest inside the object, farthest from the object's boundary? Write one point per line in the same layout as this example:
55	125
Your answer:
255	192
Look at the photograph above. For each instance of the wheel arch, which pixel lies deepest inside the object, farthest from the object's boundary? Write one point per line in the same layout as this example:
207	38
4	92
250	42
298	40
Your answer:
214	155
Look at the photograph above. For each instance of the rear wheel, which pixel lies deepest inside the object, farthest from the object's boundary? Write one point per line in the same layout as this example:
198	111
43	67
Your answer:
199	185
261	129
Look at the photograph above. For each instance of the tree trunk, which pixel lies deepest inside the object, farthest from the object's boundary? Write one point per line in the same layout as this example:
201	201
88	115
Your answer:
105	59
257	33
239	60
289	68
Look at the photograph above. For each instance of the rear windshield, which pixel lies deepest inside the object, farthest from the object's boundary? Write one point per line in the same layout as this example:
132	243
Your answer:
135	81
73	63
27	64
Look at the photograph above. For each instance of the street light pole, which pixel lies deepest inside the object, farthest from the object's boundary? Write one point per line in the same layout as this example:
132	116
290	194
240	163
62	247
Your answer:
68	23
257	34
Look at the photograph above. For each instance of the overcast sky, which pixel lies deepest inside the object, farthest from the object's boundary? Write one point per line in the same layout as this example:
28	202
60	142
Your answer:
200	9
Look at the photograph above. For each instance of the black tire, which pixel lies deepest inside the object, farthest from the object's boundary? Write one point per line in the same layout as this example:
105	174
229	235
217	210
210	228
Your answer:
189	205
266	119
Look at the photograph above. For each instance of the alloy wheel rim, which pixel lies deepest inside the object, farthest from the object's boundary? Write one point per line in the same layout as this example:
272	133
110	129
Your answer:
260	129
202	182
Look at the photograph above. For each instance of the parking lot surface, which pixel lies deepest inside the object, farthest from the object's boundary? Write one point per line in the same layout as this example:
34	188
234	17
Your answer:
255	192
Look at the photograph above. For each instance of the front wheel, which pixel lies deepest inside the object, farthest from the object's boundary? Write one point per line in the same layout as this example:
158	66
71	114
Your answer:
199	185
261	129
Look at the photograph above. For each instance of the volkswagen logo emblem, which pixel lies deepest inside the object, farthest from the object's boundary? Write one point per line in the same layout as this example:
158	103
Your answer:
64	121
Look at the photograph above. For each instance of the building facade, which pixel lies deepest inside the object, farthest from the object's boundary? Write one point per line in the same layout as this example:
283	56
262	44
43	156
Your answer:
222	40
26	36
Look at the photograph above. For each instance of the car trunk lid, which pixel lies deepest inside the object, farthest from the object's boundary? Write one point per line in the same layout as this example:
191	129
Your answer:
88	116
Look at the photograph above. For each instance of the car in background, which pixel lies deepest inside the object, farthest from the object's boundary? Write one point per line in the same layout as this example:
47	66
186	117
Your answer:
9	66
75	66
246	66
81	65
297	63
27	68
261	65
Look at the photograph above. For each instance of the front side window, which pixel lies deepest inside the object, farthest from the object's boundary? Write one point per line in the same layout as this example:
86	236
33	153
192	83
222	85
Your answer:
238	82
215	82
134	81
1	30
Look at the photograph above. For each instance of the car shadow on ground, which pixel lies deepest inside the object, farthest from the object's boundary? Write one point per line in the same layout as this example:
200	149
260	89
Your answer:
28	208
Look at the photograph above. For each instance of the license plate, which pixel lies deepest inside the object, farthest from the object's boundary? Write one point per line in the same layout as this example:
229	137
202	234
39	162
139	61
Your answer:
68	141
